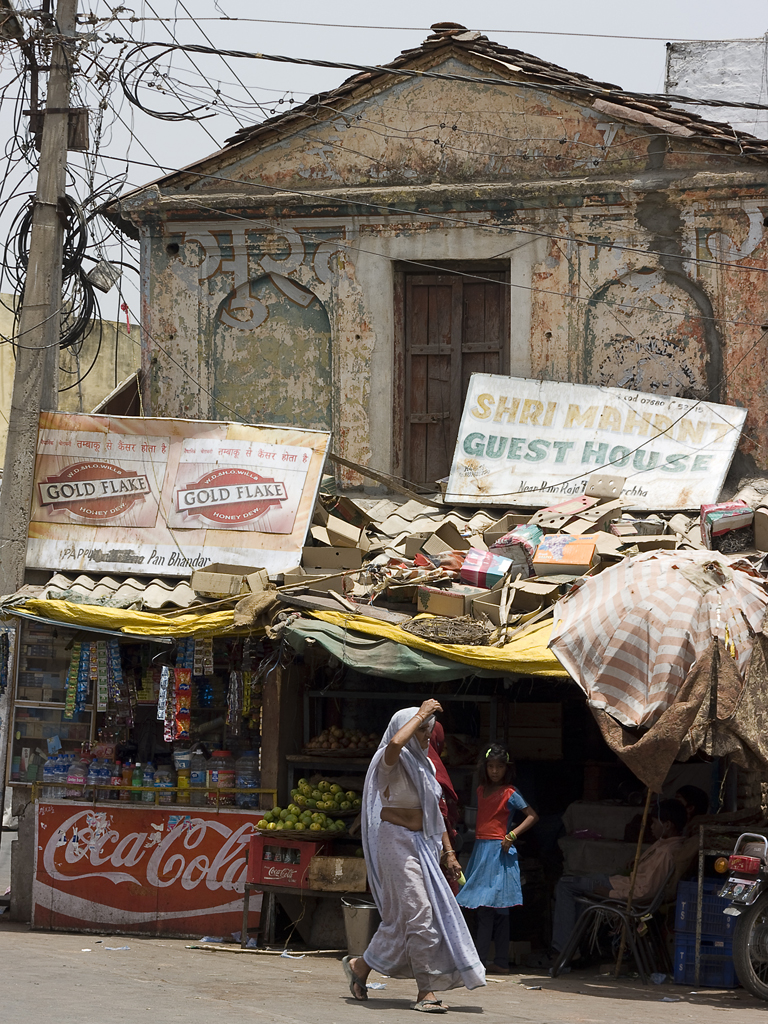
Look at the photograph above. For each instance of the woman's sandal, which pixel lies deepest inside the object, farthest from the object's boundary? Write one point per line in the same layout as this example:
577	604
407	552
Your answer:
430	1006
353	980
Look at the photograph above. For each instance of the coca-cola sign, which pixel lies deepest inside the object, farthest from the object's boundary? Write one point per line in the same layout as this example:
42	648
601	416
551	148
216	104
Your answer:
155	870
285	875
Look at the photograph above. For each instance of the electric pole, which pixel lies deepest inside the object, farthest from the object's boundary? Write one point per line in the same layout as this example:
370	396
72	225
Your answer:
35	384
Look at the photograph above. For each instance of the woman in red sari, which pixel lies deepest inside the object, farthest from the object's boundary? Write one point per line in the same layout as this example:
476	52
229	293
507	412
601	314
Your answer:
449	803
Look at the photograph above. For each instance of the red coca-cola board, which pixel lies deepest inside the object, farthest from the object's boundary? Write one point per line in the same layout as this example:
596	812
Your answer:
149	870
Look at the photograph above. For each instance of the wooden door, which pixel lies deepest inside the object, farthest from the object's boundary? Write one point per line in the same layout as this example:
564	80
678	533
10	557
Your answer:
454	325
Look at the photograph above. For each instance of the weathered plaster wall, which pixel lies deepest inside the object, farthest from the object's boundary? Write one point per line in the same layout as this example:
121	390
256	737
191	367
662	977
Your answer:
636	258
426	130
724	69
321	352
120	353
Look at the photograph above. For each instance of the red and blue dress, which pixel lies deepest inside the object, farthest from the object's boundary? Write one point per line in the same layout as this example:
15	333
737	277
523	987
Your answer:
493	876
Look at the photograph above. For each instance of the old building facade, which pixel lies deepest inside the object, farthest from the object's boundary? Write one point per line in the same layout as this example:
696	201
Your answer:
349	264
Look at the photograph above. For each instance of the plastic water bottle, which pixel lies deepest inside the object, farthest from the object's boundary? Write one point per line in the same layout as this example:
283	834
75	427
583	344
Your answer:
148	779
105	773
197	779
60	770
76	777
92	780
116	779
165	779
137	778
49	776
248	777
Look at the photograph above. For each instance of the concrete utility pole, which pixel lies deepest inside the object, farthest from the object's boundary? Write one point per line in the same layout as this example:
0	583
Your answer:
35	384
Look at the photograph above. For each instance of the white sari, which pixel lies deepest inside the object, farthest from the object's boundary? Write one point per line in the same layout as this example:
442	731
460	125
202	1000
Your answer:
422	934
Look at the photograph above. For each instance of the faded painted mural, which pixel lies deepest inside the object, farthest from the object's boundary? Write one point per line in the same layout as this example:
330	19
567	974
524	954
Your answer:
644	332
262	318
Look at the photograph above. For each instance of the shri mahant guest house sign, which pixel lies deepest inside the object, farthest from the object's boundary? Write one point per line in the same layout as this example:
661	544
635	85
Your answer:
528	442
129	494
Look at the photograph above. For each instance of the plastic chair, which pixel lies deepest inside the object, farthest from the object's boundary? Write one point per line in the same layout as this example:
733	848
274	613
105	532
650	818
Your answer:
643	935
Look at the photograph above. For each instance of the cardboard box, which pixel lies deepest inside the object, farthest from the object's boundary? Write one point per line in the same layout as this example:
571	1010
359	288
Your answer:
597	518
413	543
504	525
761	528
340	536
221	580
667	542
484	569
526	598
351	512
723	517
560	552
652	527
299	577
331	558
343	534
445	538
623	529
451	601
337	874
536	732
608	545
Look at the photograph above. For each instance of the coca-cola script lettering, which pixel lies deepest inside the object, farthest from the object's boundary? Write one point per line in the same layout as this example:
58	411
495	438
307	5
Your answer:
148	870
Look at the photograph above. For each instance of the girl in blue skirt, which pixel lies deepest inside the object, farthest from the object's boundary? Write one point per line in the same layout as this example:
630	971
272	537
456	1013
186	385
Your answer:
493	873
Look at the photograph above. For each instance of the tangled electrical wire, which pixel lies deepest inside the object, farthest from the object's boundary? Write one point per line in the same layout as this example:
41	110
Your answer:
79	306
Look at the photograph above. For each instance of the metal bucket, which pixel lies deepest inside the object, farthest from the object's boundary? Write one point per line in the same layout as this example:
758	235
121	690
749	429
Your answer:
361	919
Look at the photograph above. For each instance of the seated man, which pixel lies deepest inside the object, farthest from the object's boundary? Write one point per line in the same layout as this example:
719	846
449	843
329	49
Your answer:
667	826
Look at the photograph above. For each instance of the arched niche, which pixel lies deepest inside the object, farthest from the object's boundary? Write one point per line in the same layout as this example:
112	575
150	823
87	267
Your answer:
652	330
272	354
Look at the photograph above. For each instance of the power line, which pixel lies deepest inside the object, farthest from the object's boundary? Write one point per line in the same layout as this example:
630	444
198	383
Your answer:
409	72
387	209
89	19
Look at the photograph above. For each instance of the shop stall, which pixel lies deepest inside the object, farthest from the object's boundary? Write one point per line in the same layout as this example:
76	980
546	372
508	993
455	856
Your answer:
135	748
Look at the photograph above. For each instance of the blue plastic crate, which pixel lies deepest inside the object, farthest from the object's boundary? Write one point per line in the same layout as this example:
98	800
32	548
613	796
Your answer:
713	920
717	970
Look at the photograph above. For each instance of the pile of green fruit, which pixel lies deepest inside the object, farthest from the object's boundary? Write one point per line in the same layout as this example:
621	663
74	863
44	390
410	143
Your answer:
310	808
292	817
325	796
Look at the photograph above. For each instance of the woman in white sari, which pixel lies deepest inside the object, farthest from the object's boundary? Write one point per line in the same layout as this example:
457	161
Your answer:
422	934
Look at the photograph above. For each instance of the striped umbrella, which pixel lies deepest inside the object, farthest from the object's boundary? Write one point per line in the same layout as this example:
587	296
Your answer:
630	635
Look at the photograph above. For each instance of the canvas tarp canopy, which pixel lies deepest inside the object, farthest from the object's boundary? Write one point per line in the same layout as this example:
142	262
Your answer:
126	622
670	649
526	654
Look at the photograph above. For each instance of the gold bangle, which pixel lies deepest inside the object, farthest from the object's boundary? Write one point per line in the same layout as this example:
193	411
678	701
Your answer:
511	836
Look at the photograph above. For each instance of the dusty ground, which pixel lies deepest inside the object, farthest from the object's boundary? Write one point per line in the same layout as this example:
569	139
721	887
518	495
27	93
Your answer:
77	979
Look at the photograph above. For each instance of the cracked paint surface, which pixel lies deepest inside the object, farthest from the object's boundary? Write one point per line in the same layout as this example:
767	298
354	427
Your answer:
282	308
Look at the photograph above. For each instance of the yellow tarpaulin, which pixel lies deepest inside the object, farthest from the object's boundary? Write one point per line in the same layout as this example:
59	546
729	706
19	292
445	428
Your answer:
527	654
132	623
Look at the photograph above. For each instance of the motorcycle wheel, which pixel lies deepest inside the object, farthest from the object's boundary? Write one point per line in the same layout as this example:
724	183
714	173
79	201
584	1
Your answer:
750	948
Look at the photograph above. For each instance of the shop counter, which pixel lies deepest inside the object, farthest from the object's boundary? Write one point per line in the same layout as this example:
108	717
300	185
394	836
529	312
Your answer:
138	868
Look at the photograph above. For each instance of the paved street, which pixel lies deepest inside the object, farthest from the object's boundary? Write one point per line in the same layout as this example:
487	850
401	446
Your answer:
51	976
